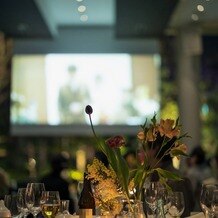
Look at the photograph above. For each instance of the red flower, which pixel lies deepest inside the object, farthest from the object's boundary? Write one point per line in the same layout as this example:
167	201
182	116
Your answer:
115	142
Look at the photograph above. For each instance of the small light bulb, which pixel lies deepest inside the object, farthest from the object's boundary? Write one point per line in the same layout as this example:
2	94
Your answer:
82	8
84	17
195	17
200	8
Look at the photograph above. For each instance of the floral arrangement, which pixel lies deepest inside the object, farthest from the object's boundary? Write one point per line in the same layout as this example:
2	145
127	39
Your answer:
117	181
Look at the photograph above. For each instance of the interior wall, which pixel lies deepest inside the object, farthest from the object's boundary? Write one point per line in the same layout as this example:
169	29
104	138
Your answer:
87	40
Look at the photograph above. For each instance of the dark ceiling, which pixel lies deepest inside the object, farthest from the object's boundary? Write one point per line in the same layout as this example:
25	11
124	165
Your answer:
143	18
22	19
138	18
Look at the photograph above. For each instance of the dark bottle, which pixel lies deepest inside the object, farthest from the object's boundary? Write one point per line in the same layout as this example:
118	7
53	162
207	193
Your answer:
86	201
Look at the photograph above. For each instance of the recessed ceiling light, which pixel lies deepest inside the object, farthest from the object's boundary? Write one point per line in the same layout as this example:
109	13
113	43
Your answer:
22	27
79	0
195	17
81	8
84	17
200	8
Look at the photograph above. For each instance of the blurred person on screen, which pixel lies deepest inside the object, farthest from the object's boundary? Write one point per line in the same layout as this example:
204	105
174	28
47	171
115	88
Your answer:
71	99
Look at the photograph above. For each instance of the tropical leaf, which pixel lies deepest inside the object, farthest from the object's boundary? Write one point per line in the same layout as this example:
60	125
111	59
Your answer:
167	174
164	182
111	156
123	169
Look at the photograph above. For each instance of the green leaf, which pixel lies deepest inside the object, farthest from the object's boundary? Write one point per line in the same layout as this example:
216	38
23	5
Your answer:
167	174
177	152
153	120
123	170
111	156
177	122
132	173
184	135
138	175
164	182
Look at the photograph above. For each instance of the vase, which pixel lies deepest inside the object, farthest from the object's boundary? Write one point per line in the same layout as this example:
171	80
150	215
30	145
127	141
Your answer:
132	209
155	198
160	213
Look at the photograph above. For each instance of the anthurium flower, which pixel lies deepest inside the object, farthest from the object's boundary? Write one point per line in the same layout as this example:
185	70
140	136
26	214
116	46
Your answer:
166	127
116	141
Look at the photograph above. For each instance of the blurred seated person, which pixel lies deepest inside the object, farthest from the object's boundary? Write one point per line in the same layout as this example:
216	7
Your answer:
55	182
214	167
4	183
183	185
198	171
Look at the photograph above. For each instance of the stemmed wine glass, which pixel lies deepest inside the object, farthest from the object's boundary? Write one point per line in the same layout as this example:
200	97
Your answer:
10	202
33	196
64	207
79	188
206	198
214	204
21	202
176	204
152	195
50	203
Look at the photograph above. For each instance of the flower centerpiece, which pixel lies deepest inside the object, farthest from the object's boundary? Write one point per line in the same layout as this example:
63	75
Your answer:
117	181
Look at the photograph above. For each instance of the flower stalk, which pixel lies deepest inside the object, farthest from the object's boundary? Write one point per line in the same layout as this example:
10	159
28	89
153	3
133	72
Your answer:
157	141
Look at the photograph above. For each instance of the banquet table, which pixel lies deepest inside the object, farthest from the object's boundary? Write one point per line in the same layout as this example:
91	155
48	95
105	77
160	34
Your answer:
193	215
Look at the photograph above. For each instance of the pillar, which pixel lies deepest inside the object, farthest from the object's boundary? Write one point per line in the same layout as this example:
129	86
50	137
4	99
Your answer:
188	52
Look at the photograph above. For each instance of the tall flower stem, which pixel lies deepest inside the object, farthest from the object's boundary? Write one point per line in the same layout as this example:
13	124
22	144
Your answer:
89	111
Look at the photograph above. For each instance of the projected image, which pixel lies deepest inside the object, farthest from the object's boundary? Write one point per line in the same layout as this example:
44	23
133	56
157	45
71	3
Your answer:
54	89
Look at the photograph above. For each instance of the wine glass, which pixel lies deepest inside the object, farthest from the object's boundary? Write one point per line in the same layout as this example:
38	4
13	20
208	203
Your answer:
21	202
33	196
176	204
10	202
206	197
50	203
214	204
79	188
163	201
64	207
151	196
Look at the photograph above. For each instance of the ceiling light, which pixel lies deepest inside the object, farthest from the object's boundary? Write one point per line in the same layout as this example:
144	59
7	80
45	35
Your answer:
200	8
195	17
22	27
84	17
81	8
79	0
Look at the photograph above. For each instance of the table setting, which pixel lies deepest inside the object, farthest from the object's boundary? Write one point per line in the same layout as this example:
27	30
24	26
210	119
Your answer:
158	202
114	190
